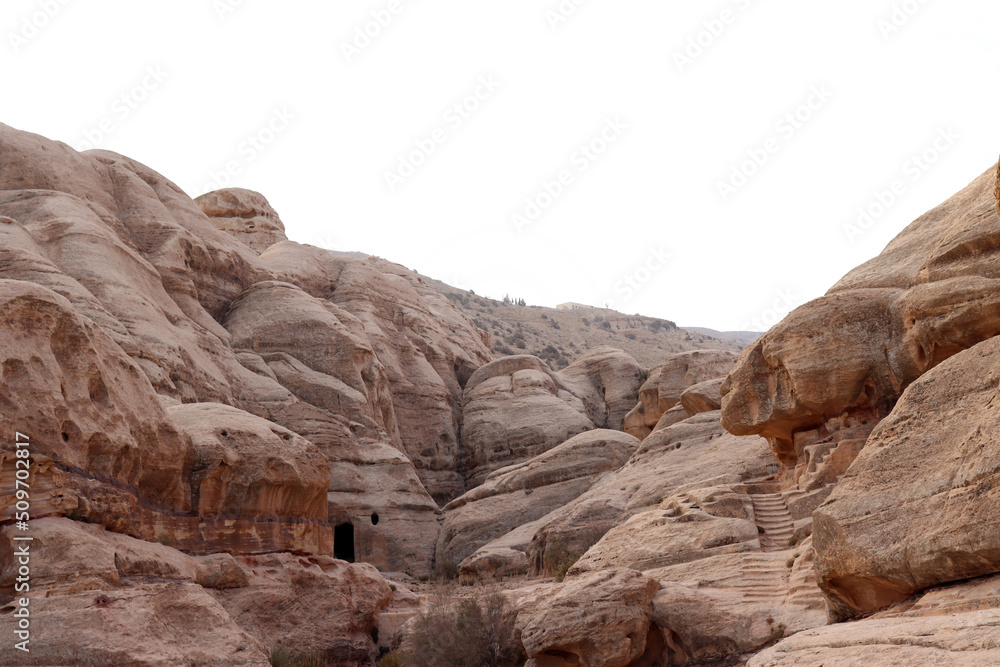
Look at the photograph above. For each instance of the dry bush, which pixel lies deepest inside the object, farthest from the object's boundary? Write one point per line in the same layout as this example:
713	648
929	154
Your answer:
476	631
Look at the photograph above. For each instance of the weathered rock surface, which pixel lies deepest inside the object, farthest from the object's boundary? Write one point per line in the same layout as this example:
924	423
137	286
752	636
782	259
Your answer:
932	457
607	379
691	454
929	295
86	407
600	620
244	214
703	397
341	372
102	598
428	348
963	640
666	383
523	492
516	408
311	604
109	598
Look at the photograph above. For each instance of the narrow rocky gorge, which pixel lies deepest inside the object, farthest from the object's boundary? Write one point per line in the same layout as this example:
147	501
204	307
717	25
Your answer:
240	443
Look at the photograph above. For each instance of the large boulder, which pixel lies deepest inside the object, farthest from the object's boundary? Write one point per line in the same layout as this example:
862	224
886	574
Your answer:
930	294
608	380
523	492
310	604
244	214
600	620
516	408
665	384
932	457
101	598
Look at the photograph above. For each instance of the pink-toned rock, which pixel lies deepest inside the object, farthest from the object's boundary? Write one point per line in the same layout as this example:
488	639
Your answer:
244	214
695	452
702	397
84	406
526	491
516	408
930	458
598	620
101	598
428	347
663	387
608	380
310	604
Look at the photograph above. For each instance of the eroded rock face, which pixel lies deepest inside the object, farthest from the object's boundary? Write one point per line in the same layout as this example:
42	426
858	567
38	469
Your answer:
662	390
339	371
516	408
964	640
694	453
312	604
600	620
86	406
101	597
523	492
607	379
929	295
932	457
428	348
244	214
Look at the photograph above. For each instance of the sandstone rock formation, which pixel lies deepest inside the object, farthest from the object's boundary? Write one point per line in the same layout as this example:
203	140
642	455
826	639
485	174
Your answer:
428	348
523	492
932	457
244	214
662	390
691	454
516	408
311	604
103	597
602	620
928	296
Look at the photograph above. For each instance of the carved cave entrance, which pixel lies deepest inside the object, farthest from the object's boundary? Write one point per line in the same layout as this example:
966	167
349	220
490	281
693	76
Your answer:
343	542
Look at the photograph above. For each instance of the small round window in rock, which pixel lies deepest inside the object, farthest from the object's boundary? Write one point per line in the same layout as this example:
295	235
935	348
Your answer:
374	518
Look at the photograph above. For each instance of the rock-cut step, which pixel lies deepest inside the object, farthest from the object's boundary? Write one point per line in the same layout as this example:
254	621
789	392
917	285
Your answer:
774	521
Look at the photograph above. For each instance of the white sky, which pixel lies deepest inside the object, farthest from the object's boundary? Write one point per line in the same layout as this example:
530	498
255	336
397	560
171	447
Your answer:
654	190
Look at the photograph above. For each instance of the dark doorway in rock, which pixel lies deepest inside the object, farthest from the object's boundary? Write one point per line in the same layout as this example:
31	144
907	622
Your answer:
343	542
